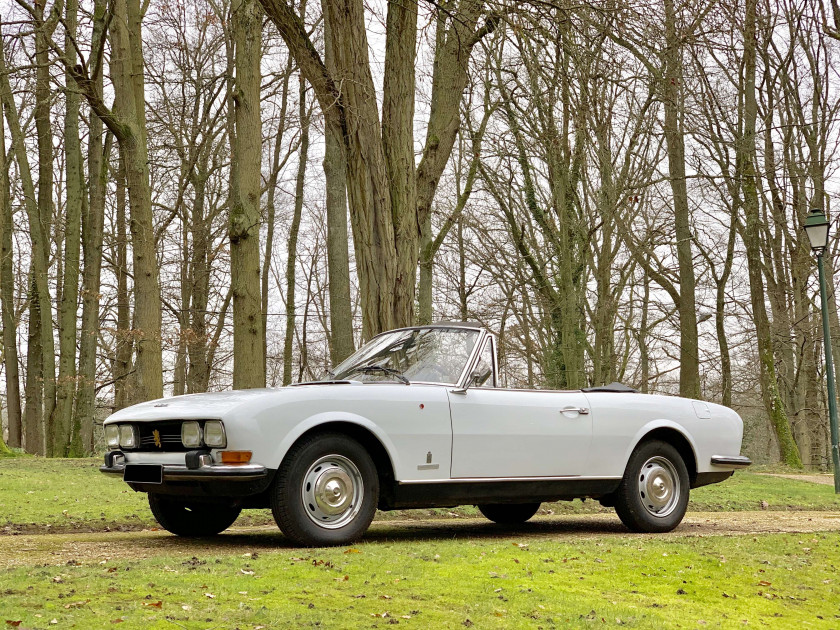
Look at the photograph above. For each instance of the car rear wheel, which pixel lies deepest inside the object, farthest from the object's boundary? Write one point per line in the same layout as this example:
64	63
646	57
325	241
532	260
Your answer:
509	513
192	520
326	491
653	494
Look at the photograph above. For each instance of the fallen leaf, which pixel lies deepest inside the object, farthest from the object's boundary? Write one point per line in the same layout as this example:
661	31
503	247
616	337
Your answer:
764	583
521	545
209	595
57	579
186	607
384	597
14	624
244	572
157	604
352	550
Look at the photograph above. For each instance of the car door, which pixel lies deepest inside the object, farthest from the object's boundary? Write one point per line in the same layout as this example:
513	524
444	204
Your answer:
518	433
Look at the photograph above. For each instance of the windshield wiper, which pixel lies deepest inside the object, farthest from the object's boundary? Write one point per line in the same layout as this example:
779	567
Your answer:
366	369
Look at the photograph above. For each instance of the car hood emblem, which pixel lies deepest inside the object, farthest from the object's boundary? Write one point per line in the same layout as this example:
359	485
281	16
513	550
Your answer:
156	436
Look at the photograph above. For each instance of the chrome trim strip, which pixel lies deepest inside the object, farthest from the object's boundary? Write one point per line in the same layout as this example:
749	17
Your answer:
498	479
731	461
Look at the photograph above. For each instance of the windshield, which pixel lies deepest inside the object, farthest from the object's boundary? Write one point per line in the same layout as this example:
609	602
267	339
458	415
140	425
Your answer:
432	355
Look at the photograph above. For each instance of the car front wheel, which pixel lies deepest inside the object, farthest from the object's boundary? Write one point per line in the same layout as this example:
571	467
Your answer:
509	513
326	491
653	494
192	520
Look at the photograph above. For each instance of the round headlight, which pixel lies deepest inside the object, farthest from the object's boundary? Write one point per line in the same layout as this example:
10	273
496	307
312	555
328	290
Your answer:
191	434
214	434
112	435
128	436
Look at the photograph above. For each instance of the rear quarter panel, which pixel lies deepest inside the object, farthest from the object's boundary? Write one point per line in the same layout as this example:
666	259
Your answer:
621	421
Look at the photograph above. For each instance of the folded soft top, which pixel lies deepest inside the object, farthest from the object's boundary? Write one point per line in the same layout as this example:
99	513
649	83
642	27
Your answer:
615	387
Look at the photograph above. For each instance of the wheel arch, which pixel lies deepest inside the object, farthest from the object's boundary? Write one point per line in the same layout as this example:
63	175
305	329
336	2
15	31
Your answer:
369	439
671	434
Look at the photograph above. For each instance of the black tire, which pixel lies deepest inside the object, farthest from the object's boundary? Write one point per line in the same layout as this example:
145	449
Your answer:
509	513
653	494
191	520
325	463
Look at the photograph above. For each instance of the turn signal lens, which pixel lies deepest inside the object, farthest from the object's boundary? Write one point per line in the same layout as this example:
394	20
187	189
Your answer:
112	435
236	457
214	434
128	437
191	434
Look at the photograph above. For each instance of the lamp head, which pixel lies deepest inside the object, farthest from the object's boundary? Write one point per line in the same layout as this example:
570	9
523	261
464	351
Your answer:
816	227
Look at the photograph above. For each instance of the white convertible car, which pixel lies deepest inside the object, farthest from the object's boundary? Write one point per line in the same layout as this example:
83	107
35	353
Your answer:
415	419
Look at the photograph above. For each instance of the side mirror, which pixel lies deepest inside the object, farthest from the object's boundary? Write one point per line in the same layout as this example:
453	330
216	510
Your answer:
477	377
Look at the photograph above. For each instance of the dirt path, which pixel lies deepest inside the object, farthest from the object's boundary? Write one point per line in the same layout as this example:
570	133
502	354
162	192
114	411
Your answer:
104	547
823	479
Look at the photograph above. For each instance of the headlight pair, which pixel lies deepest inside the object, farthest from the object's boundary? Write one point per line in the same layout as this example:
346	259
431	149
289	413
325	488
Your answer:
121	435
212	434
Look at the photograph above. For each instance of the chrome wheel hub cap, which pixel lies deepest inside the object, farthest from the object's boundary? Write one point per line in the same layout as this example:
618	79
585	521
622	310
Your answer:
332	491
659	486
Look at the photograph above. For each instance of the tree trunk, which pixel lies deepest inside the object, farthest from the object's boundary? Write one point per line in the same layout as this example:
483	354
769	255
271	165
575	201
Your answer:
398	148
244	228
127	75
338	253
198	372
385	237
33	411
93	224
673	101
291	258
270	206
769	385
124	392
66	428
40	356
7	300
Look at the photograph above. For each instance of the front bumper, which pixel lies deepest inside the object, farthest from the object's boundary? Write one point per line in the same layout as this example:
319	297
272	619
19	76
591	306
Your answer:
174	472
731	461
197	477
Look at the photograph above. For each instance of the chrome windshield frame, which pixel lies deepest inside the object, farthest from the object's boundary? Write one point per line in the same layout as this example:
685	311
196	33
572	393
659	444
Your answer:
482	334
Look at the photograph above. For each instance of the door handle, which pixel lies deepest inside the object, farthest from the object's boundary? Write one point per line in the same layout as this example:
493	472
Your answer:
580	410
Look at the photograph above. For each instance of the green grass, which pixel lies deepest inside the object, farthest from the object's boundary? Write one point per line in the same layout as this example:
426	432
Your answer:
39	494
779	581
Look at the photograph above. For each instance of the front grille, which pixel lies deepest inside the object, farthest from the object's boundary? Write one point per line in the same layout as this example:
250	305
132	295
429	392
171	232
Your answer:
168	435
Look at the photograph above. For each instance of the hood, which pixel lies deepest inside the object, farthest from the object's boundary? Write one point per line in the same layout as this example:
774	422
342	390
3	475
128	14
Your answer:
198	406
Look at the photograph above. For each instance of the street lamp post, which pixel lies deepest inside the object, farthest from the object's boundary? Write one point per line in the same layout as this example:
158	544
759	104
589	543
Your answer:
816	227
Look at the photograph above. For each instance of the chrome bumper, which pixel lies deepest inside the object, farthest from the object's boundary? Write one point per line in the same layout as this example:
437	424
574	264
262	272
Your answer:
180	472
731	461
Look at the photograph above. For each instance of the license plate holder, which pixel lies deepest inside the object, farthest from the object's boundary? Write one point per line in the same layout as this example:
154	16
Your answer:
143	473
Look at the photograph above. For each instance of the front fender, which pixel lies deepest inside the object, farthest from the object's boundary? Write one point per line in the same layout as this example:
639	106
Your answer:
294	434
